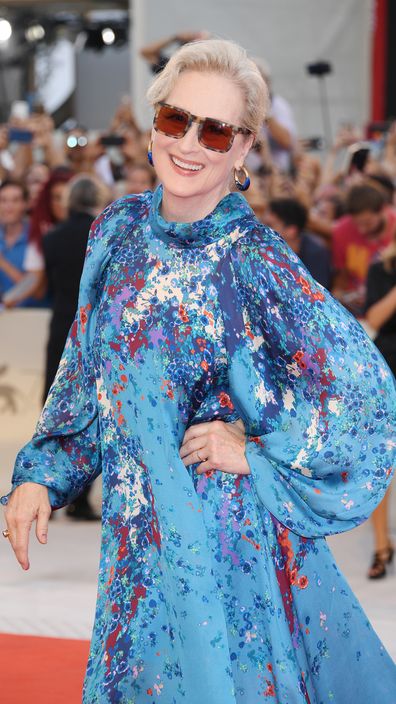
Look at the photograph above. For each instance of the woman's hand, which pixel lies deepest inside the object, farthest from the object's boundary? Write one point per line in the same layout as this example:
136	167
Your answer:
216	445
27	503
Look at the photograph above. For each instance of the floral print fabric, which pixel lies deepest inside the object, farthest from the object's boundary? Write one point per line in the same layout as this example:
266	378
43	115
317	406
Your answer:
218	588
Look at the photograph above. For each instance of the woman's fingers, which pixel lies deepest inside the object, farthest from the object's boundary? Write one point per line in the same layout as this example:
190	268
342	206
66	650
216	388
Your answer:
205	436
196	431
42	524
21	542
194	457
194	451
202	447
200	442
191	446
28	502
216	445
204	467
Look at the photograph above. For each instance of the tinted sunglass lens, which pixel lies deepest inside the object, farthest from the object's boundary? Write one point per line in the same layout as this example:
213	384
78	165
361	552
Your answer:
171	121
216	136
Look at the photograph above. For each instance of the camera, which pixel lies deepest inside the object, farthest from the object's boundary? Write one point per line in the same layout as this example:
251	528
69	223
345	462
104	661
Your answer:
112	140
319	68
313	143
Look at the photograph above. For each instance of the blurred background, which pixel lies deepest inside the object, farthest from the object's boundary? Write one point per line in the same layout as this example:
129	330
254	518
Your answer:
60	55
74	131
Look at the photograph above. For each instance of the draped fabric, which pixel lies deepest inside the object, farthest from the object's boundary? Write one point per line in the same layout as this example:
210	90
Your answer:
218	588
316	392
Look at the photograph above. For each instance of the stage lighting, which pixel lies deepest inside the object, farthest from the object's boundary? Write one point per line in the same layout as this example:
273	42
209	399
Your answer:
98	38
35	33
108	36
5	30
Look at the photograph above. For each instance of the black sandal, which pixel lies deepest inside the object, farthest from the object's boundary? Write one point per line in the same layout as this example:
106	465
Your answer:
381	559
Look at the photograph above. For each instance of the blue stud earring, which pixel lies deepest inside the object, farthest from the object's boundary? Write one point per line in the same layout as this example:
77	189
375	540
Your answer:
150	153
242	186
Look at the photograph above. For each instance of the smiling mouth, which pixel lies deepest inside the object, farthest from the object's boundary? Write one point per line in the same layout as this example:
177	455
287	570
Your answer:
186	165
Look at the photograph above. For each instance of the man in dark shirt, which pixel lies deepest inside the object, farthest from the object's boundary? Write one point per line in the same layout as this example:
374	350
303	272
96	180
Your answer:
289	217
380	305
64	251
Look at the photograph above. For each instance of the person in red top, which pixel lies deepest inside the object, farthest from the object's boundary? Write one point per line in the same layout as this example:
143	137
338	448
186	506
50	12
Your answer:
358	238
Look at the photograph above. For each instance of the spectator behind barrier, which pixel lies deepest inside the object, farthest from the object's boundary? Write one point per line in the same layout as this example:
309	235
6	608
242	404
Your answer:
50	209
14	228
289	217
139	177
64	251
358	238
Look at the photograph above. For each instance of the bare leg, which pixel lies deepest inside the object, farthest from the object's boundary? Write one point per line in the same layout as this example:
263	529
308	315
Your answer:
380	522
383	548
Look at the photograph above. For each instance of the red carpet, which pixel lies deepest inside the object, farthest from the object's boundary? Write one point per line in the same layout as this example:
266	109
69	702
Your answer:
42	670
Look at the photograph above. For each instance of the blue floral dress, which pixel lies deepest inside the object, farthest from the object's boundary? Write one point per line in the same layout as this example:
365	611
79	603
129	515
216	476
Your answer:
218	588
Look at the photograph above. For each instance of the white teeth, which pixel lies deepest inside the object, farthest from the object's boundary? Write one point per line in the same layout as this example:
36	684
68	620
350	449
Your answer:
183	165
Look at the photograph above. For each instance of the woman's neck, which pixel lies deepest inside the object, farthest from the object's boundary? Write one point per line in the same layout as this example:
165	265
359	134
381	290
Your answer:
190	208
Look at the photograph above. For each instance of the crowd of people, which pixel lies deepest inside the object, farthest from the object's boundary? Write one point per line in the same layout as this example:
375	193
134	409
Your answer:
337	213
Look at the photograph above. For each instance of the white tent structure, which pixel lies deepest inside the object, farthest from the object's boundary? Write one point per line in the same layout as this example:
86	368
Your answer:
289	35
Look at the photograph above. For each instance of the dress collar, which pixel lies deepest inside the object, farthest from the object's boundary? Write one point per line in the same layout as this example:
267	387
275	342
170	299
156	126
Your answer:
212	227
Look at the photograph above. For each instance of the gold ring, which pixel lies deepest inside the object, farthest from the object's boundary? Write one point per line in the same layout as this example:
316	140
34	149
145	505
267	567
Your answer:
6	533
199	457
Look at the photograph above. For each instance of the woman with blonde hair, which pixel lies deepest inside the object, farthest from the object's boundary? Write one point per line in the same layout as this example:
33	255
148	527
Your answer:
238	415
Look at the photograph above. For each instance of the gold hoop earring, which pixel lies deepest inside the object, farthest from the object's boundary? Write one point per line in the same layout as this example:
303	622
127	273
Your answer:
242	185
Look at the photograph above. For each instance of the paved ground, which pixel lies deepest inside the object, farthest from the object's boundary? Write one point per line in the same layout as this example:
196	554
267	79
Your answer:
56	597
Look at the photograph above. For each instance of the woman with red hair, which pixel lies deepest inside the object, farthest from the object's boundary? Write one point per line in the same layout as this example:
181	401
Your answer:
49	211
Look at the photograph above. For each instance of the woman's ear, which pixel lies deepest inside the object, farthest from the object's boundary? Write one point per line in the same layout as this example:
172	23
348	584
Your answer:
246	147
250	142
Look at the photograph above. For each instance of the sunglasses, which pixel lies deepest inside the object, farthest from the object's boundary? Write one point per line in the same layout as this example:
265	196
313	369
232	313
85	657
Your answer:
212	134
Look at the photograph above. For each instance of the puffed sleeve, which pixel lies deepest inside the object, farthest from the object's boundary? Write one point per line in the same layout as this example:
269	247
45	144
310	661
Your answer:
316	396
64	453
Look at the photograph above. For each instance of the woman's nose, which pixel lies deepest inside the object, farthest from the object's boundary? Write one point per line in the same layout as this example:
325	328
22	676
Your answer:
190	142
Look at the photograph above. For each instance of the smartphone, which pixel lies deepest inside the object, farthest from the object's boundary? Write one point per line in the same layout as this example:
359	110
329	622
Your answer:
313	143
112	140
20	109
16	134
357	157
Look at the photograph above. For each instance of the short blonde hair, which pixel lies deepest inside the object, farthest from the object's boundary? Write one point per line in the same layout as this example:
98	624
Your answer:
225	58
